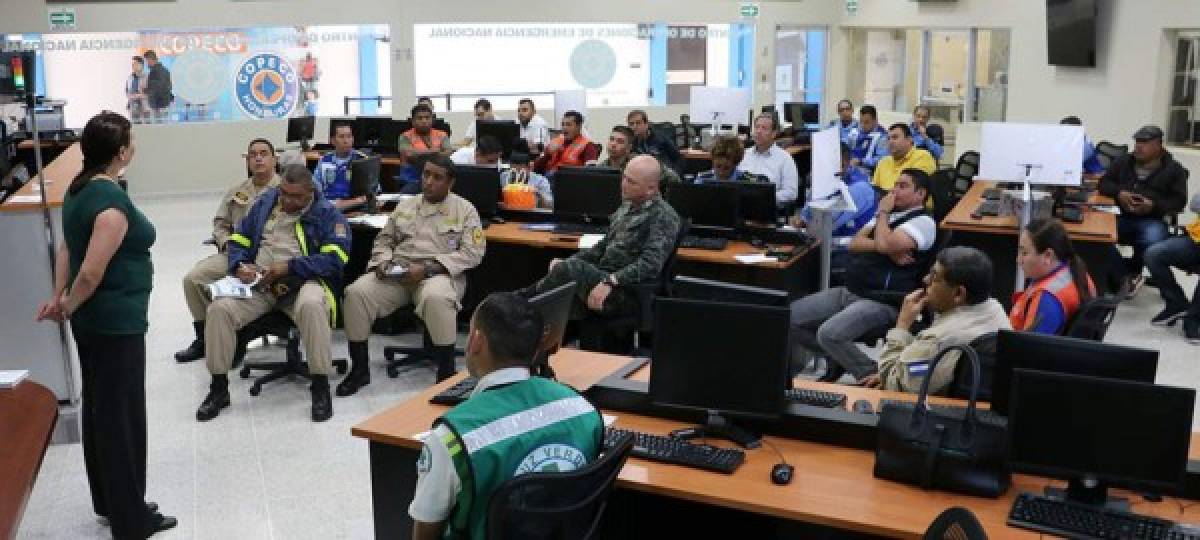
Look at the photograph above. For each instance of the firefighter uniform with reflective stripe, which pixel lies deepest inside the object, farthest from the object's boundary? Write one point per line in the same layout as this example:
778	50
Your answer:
332	174
419	231
513	424
234	205
315	244
1047	305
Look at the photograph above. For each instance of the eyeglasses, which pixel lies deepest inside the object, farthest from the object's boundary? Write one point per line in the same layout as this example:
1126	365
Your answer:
840	109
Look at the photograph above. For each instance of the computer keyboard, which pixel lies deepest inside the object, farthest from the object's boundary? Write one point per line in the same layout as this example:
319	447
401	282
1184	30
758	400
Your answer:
988	208
678	451
953	411
1072	214
816	398
700	242
993	194
1073	520
580	228
457	393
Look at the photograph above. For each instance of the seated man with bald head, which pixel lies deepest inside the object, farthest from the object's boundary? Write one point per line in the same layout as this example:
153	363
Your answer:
640	236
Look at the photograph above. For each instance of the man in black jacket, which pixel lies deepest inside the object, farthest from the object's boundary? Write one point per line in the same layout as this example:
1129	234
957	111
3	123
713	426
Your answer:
158	87
645	141
1148	185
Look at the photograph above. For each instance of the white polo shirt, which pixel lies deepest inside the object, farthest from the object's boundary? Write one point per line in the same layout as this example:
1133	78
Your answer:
535	131
779	167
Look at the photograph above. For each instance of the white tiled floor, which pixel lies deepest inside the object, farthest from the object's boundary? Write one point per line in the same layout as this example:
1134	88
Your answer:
262	469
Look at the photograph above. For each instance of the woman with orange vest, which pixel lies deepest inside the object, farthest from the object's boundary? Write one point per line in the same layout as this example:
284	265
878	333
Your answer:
1058	281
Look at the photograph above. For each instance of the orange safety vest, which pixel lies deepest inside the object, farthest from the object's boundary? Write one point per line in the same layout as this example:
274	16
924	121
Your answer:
437	138
1058	283
571	154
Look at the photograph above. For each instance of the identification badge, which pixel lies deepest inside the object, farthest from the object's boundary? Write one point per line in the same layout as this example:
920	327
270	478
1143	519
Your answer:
453	243
339	230
918	369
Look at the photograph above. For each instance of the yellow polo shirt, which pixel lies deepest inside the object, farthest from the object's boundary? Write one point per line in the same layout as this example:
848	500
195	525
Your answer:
888	169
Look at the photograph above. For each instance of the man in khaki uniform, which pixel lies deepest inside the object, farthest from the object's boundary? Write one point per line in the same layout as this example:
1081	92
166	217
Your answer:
294	243
435	237
261	166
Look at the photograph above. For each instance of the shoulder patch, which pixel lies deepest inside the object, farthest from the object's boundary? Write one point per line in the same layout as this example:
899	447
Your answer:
241	197
339	230
477	236
425	461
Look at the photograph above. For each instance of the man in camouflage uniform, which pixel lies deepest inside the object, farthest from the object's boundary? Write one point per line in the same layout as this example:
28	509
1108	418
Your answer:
620	152
435	237
263	173
639	239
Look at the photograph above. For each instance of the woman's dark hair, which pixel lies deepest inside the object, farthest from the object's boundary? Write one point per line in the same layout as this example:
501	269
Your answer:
101	142
261	140
1049	233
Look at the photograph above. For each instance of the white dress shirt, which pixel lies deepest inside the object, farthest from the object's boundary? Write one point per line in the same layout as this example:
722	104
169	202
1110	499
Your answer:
779	167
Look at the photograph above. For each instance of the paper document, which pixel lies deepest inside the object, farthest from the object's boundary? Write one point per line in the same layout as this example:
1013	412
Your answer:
609	419
1112	209
25	199
231	287
11	377
377	221
588	240
392	197
546	227
753	258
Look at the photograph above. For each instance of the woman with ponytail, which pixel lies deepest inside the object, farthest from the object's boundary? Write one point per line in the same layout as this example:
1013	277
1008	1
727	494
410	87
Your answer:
1057	282
102	285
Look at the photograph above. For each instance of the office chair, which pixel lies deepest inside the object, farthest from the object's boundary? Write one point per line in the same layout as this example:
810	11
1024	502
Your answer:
937	133
553	505
965	171
592	152
955	523
943	193
274	323
1108	152
1094	317
960	386
411	355
621	333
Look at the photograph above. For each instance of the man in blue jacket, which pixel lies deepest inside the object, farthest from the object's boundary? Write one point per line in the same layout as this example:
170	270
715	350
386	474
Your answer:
291	246
868	143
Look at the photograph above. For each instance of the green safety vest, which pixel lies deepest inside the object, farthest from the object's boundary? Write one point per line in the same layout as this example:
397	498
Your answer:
535	425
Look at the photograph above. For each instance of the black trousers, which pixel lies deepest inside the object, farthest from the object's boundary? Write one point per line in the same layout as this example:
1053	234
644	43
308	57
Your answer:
114	428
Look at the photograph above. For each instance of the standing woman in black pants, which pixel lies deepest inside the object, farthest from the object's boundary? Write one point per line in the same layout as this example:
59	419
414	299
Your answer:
102	285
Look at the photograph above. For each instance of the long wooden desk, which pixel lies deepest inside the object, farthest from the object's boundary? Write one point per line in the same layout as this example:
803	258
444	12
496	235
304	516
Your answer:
27	416
59	174
831	487
1093	240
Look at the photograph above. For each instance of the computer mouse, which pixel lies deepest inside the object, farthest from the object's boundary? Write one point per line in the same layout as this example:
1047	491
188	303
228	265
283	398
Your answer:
758	243
863	406
781	474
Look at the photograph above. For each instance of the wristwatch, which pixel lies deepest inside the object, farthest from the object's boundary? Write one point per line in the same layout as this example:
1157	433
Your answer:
611	280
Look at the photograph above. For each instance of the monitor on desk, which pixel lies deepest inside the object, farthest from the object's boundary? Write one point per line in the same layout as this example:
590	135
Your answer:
757	202
1095	432
802	114
373	132
364	180
587	193
699	364
555	307
301	128
707	205
505	131
1043	153
479	184
1060	354
694	288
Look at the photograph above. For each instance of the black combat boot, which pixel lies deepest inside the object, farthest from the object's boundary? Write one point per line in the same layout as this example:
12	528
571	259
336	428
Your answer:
322	404
195	351
443	358
360	372
217	399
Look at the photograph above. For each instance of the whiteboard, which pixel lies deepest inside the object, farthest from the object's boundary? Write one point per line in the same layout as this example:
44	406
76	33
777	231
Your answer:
569	100
1055	150
826	162
731	105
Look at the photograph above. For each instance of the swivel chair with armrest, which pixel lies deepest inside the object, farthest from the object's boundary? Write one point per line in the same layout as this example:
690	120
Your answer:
275	323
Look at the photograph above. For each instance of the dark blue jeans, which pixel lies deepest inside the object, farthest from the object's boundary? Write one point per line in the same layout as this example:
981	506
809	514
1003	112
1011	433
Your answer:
1179	252
1141	232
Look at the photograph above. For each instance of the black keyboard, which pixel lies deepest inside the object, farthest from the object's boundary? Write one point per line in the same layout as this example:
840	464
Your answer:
700	242
1072	214
993	194
678	451
988	208
953	411
1073	520
580	228
457	393
816	398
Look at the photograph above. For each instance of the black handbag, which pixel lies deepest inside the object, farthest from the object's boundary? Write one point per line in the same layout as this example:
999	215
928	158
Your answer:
935	450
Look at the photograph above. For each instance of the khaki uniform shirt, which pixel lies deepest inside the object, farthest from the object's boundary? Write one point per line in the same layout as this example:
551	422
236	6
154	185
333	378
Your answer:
234	205
448	232
279	241
904	362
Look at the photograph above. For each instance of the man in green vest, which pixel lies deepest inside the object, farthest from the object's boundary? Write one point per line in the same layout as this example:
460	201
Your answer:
512	424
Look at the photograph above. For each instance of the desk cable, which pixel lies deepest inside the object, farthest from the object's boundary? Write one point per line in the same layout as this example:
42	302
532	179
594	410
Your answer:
782	459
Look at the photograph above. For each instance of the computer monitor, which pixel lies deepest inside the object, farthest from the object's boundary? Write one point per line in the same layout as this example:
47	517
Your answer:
335	122
694	288
802	114
1096	432
1060	354
757	202
555	307
588	193
364	180
707	205
17	73
370	131
696	365
389	136
301	128
479	184
505	131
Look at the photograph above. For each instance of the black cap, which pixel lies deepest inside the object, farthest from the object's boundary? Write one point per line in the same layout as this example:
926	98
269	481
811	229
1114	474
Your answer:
1148	133
518	158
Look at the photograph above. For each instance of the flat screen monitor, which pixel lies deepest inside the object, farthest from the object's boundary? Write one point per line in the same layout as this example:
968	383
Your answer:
479	184
505	131
364	176
756	202
372	132
301	128
696	363
17	73
1071	32
335	122
389	135
555	307
590	193
707	205
803	114
1097	432
1046	153
1060	354
694	288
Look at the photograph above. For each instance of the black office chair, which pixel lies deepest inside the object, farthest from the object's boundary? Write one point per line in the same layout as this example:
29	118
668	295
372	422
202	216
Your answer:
960	387
937	133
1107	153
965	171
1094	317
622	333
955	523
274	323
556	505
943	193
398	357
